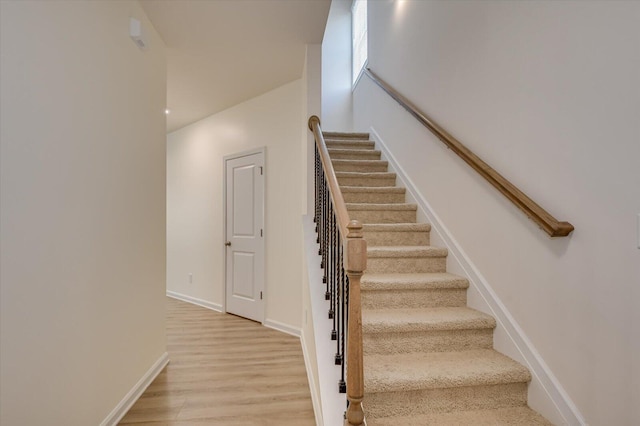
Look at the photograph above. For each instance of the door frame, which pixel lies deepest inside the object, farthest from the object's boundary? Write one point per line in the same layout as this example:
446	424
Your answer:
261	150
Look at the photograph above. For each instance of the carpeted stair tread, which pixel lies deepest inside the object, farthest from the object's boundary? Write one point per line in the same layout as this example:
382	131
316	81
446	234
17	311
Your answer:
382	207
413	290
345	135
424	319
375	166
366	179
350	144
349	140
372	194
359	162
397	233
371	175
511	416
416	281
365	152
403	259
383	213
374	189
396	227
413	281
406	251
428	370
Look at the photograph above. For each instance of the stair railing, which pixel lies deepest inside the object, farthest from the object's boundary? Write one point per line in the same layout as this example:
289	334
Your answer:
540	216
344	258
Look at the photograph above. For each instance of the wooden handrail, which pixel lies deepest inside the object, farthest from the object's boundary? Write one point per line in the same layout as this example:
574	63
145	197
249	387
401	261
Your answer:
339	205
544	219
355	263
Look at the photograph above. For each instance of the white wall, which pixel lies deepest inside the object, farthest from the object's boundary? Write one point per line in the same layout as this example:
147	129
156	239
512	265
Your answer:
310	81
83	210
337	101
195	231
548	93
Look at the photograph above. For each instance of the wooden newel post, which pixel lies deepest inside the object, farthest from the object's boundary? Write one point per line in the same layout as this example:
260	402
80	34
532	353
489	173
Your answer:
356	264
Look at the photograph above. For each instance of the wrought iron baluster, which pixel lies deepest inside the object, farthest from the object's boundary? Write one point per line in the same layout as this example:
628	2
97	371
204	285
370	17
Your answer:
339	360
344	325
325	233
327	294
330	264
334	295
323	188
316	187
338	312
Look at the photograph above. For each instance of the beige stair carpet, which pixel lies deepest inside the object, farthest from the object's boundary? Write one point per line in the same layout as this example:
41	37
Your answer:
428	358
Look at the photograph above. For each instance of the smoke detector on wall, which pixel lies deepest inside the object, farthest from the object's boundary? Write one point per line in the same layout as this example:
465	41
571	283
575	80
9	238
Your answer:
137	34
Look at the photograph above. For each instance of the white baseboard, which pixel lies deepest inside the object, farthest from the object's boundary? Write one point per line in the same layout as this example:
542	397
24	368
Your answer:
132	396
315	398
543	377
276	325
194	300
285	328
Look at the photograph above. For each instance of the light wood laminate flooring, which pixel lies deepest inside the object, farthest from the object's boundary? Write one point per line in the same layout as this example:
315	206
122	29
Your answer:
225	370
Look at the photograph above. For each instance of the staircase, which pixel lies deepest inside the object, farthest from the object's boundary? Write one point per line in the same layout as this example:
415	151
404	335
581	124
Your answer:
428	358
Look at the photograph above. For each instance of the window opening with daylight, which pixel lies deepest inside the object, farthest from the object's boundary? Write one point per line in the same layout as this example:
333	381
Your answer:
358	37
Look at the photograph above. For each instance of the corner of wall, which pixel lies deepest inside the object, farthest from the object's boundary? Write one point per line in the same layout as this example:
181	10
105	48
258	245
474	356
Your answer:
136	391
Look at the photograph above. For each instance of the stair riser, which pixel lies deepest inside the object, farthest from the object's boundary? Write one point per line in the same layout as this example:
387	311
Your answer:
397	299
371	197
508	416
383	216
426	341
397	238
350	145
366	181
362	154
406	265
406	403
361	168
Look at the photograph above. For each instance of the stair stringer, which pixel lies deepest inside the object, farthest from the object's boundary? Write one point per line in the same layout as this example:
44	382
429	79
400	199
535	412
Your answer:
545	393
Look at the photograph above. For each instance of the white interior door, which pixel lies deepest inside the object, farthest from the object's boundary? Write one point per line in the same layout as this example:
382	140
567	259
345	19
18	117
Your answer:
244	182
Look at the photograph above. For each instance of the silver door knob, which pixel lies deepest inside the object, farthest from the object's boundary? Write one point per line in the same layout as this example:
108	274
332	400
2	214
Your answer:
228	243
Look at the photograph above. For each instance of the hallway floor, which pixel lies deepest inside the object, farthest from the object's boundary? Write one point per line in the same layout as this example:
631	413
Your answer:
225	370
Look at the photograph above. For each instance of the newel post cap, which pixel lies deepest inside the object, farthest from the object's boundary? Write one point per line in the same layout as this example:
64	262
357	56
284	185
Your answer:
355	229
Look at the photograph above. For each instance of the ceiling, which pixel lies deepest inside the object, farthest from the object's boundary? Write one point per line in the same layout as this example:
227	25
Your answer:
223	52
